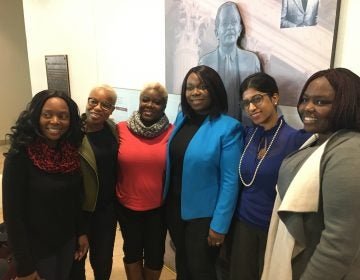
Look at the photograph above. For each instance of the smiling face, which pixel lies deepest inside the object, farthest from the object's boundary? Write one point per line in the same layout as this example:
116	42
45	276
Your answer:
151	107
229	28
315	106
54	119
197	95
263	112
99	113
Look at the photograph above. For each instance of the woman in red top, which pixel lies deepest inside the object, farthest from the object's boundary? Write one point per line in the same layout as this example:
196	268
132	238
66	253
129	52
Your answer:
142	153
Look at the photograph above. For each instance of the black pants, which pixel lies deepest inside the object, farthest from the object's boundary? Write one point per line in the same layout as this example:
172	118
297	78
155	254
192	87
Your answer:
144	235
57	266
247	252
223	261
101	236
194	258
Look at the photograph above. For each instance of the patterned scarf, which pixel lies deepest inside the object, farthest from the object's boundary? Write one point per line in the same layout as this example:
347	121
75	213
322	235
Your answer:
65	158
136	126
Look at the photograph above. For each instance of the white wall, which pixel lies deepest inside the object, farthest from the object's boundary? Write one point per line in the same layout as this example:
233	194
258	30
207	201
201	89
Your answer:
121	42
348	43
107	41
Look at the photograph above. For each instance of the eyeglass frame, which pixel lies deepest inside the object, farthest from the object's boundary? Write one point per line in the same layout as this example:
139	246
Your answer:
106	106
244	104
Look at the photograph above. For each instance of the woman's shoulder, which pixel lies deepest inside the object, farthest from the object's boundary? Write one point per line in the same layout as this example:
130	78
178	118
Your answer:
297	136
341	150
344	138
17	158
111	123
167	130
121	125
179	117
226	126
170	127
227	119
289	130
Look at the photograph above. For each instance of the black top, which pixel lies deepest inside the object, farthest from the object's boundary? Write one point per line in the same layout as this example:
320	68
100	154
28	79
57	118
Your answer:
178	148
42	211
105	147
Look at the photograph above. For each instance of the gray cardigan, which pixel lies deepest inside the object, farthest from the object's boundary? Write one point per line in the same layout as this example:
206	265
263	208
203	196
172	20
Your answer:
329	237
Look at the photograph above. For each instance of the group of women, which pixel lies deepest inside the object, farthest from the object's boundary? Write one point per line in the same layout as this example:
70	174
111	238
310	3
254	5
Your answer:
291	195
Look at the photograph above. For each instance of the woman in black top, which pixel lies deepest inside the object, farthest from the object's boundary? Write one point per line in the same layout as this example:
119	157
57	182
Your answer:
98	157
42	188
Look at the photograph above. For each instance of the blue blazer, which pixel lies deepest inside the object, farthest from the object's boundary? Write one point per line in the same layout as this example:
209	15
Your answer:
210	172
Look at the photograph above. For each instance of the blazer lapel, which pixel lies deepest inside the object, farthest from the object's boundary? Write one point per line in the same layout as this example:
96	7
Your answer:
299	4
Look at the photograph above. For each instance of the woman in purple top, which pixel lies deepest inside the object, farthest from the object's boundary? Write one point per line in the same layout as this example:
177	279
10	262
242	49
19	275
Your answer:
267	143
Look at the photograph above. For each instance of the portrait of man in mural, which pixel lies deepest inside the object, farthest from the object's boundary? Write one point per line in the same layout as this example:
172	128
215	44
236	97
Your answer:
190	40
231	62
298	13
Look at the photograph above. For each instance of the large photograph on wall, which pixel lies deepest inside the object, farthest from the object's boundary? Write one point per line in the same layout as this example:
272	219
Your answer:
288	39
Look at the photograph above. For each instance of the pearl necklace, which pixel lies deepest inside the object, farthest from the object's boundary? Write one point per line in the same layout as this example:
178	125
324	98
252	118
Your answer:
261	160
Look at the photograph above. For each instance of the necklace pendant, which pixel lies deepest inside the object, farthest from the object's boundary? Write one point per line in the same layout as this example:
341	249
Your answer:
261	153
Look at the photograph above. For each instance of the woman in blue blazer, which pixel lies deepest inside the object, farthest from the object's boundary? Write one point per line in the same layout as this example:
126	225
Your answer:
201	185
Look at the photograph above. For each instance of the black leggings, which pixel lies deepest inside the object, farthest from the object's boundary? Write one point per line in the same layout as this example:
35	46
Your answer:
102	230
144	235
57	266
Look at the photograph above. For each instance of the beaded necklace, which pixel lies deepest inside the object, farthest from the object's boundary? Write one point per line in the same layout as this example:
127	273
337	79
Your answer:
261	160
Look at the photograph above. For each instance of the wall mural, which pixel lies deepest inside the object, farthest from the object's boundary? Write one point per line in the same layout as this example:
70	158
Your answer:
291	39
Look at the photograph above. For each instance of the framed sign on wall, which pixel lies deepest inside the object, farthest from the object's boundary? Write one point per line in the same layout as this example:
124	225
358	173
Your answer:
57	72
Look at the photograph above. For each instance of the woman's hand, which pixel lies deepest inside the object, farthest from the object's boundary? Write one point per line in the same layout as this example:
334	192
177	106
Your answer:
83	246
32	276
215	239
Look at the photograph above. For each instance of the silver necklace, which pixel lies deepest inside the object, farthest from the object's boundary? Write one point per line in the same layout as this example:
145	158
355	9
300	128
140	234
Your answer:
261	160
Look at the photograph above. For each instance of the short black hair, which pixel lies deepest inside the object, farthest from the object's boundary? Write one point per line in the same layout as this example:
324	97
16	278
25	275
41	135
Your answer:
214	86
261	82
345	110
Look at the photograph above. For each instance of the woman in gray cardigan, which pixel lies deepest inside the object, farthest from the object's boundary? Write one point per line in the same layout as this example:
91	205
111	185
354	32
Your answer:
315	230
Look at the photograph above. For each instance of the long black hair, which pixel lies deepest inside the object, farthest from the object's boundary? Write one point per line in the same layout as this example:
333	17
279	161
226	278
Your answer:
214	85
27	128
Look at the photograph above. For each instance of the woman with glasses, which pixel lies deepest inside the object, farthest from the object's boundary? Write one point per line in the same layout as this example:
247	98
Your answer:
99	168
267	143
315	230
141	157
201	184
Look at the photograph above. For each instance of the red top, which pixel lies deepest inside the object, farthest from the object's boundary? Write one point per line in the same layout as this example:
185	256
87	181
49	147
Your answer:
141	169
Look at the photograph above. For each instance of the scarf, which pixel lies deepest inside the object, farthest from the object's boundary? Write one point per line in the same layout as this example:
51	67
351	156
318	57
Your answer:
136	126
63	159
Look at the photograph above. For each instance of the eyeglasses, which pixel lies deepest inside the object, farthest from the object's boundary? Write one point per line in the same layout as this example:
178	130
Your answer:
106	106
256	100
